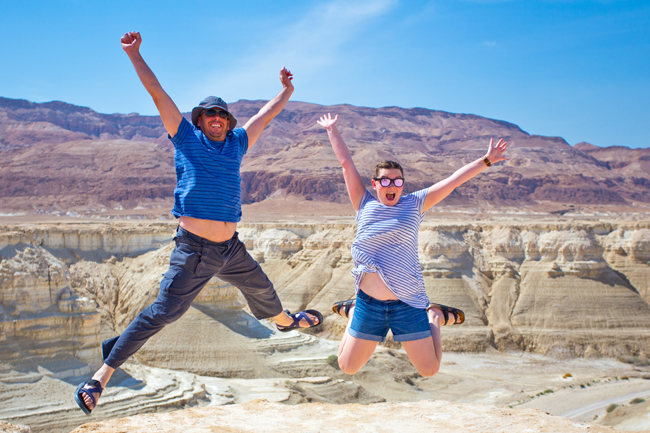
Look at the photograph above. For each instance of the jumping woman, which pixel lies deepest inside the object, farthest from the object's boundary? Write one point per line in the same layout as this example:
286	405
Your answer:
387	276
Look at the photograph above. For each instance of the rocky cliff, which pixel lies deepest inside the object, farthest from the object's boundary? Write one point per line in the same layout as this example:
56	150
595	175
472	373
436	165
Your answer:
573	289
564	290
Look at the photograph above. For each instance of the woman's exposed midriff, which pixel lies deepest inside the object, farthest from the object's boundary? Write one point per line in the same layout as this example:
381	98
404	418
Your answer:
372	285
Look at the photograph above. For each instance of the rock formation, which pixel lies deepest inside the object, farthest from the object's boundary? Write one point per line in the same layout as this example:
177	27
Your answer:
439	416
574	289
558	289
40	314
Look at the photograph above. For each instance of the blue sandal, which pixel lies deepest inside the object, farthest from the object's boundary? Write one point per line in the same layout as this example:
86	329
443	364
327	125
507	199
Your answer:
299	316
78	397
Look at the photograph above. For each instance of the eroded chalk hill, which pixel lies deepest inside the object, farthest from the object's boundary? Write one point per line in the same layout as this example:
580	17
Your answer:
571	289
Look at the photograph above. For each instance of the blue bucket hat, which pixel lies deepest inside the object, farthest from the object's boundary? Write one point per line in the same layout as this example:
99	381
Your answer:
213	102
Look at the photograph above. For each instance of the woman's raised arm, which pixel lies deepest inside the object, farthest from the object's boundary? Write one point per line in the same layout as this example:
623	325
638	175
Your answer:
442	189
353	181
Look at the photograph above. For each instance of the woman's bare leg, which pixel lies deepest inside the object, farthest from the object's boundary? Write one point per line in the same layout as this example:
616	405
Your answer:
354	352
426	353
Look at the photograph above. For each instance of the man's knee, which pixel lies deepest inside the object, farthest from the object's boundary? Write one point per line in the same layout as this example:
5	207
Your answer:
168	312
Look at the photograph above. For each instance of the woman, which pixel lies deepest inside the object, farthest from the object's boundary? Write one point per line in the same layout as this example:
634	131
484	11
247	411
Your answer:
388	280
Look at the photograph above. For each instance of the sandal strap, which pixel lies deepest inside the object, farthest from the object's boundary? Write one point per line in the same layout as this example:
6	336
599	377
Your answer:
95	387
459	316
299	316
97	384
344	306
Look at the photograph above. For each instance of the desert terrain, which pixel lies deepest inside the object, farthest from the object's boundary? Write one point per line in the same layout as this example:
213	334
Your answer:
547	253
557	320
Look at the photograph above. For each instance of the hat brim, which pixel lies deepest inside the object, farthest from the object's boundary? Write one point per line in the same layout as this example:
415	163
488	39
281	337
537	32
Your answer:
196	112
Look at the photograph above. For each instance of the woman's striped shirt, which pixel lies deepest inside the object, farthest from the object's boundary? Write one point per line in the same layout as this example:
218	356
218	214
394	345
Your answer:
387	243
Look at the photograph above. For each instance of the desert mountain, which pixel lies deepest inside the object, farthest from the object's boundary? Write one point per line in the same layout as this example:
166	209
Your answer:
60	157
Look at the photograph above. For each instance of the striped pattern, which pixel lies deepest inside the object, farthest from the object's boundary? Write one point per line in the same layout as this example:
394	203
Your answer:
387	243
208	183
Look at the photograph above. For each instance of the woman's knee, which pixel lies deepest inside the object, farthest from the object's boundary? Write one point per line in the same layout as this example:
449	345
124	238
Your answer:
348	366
428	370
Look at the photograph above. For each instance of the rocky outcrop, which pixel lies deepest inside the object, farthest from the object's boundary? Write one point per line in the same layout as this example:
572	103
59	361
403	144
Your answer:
439	416
6	427
561	289
40	315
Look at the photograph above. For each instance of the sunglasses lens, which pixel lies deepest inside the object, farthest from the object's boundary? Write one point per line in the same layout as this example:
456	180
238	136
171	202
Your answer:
398	182
212	113
384	182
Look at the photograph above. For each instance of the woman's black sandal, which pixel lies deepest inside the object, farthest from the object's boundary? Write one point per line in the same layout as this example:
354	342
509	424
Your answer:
459	316
343	308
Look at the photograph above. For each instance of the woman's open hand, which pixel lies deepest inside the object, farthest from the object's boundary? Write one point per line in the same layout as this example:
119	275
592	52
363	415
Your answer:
327	121
495	152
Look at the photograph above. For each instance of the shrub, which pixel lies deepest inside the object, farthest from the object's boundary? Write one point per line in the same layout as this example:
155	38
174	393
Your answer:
333	361
637	400
611	408
567	375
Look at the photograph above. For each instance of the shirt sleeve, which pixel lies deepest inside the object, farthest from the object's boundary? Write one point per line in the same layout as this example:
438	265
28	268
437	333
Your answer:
364	200
420	197
183	129
242	136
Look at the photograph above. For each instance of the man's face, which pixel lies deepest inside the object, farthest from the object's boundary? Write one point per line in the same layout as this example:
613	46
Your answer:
214	127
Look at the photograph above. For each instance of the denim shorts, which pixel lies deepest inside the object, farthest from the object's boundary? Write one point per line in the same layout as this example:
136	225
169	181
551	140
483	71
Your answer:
373	318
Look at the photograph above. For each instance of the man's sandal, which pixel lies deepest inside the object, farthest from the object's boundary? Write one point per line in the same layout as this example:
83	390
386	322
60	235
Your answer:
343	308
96	387
459	316
297	317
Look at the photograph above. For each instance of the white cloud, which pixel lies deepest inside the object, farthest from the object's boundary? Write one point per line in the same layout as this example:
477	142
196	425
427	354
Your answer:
309	45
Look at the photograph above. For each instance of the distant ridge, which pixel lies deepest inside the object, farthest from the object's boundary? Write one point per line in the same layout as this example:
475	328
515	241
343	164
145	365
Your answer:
58	157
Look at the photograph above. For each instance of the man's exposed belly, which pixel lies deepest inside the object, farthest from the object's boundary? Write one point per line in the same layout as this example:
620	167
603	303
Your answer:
215	231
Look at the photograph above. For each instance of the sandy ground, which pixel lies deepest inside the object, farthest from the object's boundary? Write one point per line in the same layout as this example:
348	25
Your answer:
502	381
438	416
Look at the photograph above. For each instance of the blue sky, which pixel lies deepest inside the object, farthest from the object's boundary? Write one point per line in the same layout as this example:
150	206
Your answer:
575	69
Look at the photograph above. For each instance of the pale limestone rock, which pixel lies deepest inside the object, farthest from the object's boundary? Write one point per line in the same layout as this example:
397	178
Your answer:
429	415
106	237
628	252
276	244
32	280
41	315
566	289
6	427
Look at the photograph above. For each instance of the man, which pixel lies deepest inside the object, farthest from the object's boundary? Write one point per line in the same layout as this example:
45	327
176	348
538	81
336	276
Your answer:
208	204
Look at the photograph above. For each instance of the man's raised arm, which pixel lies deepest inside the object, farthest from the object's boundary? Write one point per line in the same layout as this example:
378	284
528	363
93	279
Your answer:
257	123
169	113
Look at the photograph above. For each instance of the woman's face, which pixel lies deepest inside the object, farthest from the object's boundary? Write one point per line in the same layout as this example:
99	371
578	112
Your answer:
388	195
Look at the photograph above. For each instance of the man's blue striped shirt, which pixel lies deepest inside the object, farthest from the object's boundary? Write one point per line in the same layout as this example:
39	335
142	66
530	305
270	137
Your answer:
387	243
208	182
